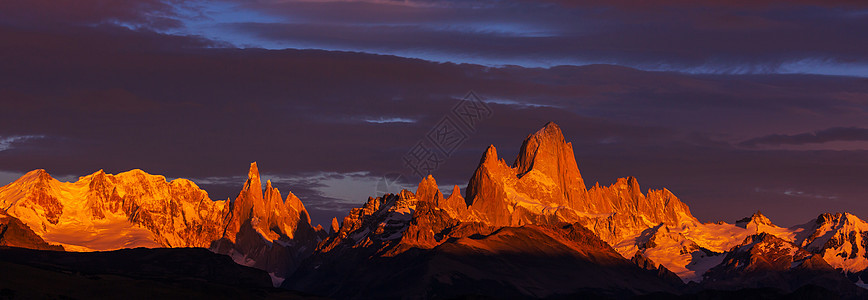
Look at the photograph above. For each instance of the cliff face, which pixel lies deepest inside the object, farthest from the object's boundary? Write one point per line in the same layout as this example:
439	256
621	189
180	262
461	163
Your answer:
106	212
546	157
840	238
136	209
544	186
765	260
264	231
521	230
426	245
14	233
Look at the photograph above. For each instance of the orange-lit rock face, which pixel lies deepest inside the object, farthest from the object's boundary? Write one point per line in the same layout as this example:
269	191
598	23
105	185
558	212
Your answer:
274	217
15	233
135	209
761	252
104	212
547	153
41	196
544	185
264	231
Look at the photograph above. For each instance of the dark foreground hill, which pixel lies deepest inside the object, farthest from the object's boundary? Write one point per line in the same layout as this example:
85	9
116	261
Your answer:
178	273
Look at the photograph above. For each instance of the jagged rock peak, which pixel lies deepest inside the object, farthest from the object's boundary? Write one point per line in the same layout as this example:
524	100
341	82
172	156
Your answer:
490	155
547	152
759	218
767	239
253	185
35	175
643	261
547	140
335	226
428	190
550	133
254	171
836	218
456	191
93	176
756	219
630	183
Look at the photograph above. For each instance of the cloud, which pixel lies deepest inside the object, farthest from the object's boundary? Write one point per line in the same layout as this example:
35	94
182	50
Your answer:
8	142
383	120
689	36
755	4
817	137
158	14
707	37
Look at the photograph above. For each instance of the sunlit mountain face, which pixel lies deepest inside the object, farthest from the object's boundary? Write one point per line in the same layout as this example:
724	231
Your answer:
527	229
433	148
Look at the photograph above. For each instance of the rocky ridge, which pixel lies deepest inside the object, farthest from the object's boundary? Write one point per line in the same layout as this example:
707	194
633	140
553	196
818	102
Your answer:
544	186
102	212
510	211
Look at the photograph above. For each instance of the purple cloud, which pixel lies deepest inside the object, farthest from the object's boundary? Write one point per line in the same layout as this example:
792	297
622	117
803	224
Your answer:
817	137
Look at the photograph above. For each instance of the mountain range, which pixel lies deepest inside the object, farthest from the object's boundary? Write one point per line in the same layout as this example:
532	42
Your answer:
527	229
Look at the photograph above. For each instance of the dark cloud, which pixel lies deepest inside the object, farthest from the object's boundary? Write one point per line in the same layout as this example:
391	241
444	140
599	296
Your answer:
817	137
159	14
756	4
704	36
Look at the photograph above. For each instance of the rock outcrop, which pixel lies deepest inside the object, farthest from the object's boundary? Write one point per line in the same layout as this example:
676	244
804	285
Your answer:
424	244
523	230
264	231
764	260
106	212
841	239
135	209
14	233
406	244
544	186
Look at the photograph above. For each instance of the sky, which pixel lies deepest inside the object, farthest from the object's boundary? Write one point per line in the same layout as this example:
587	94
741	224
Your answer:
734	106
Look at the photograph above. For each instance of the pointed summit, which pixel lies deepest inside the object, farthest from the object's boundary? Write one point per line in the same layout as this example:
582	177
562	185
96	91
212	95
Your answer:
489	156
335	226
454	205
544	185
254	171
428	190
546	152
253	186
544	172
544	143
38	175
754	221
759	218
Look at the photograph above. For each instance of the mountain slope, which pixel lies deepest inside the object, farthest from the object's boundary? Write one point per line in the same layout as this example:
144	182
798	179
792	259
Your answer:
14	233
265	231
106	212
178	273
530	229
544	189
764	260
544	186
841	239
135	209
410	244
